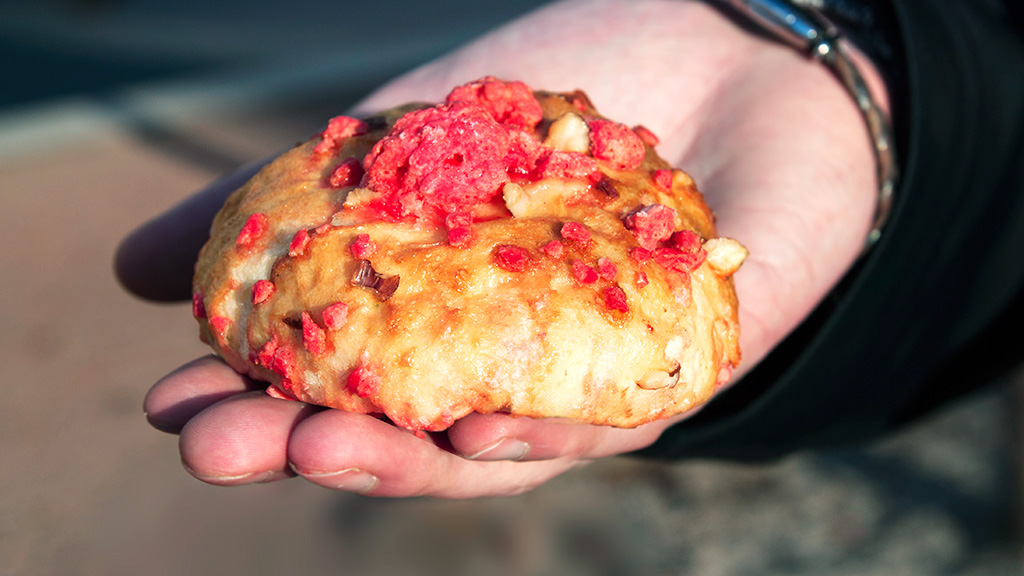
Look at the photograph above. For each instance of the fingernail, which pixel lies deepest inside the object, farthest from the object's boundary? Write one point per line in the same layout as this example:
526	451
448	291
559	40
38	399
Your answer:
221	479
349	480
505	449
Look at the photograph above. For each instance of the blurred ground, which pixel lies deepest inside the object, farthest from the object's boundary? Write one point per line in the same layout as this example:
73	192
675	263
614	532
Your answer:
88	488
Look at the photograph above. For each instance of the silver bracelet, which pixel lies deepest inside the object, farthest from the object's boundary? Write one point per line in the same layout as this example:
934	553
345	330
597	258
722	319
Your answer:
804	28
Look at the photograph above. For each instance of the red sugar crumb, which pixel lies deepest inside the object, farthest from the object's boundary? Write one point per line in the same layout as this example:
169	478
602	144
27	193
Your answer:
459	225
568	166
438	160
335	316
555	249
576	233
511	258
252	230
646	136
314	339
510	103
678	260
523	155
459	237
265	355
363	382
283	364
640	256
606	269
641	279
348	173
652	224
615	144
262	290
583	273
663	178
278	358
615	299
298	244
362	247
686	241
338	130
198	308
219	324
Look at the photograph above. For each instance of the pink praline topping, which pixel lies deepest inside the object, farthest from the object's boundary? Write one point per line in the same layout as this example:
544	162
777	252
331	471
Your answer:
615	144
576	233
339	129
261	291
652	224
511	258
583	273
615	299
253	229
335	316
510	103
348	173
362	247
297	246
363	382
314	339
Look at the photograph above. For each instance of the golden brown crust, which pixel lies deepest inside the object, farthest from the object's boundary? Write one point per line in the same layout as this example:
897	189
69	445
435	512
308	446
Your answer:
440	330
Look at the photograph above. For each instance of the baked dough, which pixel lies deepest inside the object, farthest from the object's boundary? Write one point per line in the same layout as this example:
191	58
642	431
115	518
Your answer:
504	251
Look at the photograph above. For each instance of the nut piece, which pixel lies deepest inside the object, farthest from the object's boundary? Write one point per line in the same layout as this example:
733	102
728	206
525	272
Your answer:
367	277
658	379
725	255
516	199
569	134
545	197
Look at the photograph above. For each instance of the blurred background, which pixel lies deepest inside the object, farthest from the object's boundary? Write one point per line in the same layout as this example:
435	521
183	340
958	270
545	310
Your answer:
113	110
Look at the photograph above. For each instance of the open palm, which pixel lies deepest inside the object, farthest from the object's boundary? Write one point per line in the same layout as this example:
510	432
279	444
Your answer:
771	138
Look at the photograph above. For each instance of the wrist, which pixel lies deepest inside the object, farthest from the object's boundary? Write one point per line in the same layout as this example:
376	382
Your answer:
811	33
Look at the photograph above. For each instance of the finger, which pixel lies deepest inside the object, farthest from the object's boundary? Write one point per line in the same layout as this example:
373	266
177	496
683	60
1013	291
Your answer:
362	454
156	260
491	437
241	440
185	392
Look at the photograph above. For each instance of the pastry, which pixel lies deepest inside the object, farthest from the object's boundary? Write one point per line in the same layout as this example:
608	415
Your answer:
505	250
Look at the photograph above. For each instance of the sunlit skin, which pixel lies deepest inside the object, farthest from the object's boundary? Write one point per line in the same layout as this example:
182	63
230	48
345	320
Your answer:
770	137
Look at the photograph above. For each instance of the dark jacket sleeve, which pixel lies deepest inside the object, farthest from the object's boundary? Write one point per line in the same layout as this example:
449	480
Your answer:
936	309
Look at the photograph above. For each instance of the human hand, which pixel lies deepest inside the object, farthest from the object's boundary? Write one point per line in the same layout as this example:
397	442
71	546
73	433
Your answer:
771	138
